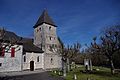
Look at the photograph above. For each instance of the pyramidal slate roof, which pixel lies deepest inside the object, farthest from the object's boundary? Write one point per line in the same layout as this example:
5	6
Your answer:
44	18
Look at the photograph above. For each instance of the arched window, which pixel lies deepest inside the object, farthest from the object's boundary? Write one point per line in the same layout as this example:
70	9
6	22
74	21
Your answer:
51	60
24	58
38	59
50	38
0	64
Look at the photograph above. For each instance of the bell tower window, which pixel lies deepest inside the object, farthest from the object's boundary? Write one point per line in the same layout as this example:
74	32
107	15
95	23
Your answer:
40	29
37	30
51	61
50	28
50	38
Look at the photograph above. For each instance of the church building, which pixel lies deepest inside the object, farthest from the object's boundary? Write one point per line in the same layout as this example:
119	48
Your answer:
42	52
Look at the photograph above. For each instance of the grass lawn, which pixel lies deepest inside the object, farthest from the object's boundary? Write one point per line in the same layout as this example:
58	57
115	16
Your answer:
102	74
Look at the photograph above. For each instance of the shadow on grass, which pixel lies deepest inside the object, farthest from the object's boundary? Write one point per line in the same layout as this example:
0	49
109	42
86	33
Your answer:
106	74
103	72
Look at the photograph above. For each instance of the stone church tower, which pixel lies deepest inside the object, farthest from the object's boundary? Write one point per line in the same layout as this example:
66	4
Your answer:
45	37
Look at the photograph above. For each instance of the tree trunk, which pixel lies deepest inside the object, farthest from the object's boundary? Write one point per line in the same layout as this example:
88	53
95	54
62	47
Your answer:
112	67
62	65
68	65
64	70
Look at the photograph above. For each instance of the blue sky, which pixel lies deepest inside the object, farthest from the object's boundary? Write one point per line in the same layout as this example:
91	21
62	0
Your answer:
77	20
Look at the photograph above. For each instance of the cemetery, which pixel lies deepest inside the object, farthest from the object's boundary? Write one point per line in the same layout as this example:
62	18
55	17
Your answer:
85	72
99	73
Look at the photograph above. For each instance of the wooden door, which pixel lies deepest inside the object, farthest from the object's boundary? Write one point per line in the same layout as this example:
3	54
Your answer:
31	65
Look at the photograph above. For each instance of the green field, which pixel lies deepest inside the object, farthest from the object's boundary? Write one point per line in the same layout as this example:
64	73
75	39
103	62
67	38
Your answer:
102	74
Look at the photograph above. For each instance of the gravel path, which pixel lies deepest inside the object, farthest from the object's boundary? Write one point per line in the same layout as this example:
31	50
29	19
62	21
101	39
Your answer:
35	76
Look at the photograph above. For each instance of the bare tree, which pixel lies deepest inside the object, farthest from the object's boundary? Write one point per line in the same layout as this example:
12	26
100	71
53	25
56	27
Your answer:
67	53
110	44
2	34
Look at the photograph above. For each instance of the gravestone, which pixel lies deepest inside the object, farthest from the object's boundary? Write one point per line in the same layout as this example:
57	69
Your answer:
75	77
88	64
73	65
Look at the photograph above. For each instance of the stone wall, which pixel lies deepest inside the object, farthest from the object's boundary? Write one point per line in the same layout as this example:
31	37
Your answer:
42	35
45	34
52	61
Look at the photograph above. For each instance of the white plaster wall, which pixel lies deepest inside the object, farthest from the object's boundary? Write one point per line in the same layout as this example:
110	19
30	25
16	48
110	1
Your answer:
12	63
33	57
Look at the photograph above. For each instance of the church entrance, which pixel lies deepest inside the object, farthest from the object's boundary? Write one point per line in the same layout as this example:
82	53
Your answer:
31	65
